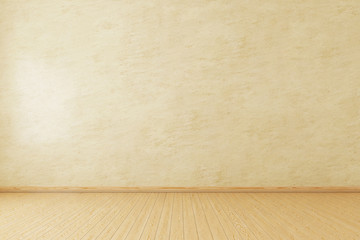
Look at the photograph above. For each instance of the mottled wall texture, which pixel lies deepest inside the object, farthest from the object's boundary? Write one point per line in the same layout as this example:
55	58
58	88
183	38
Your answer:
180	93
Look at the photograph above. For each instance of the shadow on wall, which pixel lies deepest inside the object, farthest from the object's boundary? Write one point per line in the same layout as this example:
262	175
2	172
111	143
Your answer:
5	103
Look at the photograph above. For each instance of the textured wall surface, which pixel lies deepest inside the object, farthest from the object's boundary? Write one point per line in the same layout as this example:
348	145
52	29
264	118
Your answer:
180	93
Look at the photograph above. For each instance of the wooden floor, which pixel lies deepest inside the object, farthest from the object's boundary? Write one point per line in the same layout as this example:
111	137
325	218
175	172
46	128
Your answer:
180	216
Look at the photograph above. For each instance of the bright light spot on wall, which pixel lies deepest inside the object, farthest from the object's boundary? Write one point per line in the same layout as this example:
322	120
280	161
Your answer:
41	111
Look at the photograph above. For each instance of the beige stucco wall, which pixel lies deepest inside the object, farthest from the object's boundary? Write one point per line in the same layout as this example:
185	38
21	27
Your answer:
180	93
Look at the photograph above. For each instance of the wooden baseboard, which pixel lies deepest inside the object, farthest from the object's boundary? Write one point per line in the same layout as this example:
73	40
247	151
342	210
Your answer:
37	189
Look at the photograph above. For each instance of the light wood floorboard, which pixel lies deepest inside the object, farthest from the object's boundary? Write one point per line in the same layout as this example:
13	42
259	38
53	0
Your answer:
177	216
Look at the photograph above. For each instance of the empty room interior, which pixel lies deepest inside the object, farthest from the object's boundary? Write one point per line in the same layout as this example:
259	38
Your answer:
180	119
